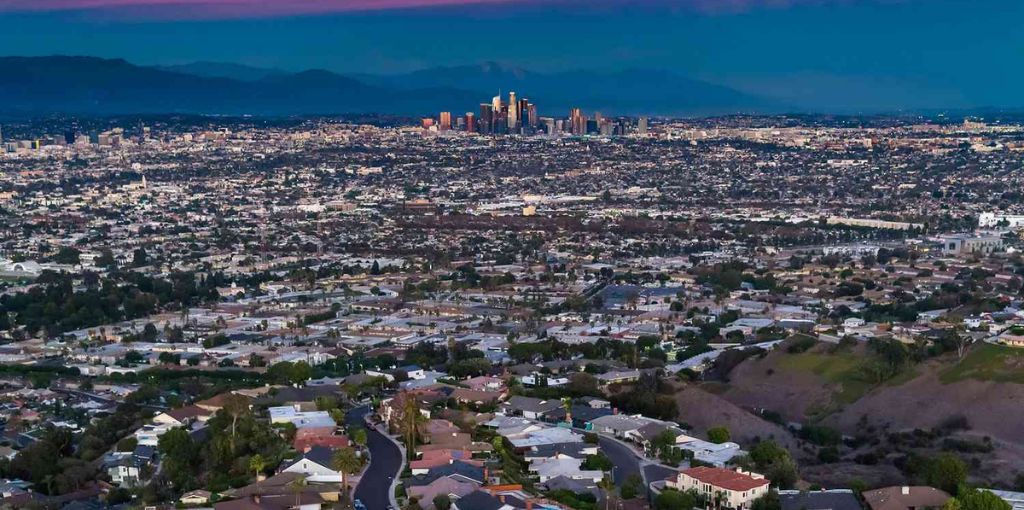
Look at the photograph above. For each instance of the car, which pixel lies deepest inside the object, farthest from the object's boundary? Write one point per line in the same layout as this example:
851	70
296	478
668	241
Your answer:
358	504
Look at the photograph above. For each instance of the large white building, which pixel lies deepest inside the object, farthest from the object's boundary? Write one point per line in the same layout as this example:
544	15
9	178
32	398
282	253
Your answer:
992	220
971	244
735	490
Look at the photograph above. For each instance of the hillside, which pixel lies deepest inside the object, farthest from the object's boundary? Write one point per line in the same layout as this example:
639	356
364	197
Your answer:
826	386
88	85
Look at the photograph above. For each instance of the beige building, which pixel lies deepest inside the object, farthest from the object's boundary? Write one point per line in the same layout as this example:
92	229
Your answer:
722	487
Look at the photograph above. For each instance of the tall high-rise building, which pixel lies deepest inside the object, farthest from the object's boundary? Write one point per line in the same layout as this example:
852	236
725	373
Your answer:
69	135
446	121
496	103
641	126
531	114
470	123
578	122
513	112
486	118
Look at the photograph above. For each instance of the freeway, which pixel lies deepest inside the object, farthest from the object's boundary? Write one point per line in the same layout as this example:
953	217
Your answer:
374	488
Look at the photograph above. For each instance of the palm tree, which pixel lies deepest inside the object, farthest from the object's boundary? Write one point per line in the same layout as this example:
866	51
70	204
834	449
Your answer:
345	462
296	486
359	437
257	463
411	423
608	486
567	405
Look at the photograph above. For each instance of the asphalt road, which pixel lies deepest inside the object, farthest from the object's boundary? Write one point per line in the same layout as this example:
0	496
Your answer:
385	460
623	458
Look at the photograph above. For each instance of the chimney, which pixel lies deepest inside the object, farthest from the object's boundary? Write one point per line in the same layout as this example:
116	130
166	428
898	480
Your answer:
529	504
905	490
501	497
486	475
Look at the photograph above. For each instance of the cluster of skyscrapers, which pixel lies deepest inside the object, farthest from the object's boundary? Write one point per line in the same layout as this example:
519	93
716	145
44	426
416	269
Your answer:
519	116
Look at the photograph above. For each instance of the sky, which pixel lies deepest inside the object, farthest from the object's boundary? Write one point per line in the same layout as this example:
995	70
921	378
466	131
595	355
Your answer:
891	53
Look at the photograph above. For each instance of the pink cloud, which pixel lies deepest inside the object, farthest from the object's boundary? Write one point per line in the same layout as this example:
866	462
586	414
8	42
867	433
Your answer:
219	9
226	8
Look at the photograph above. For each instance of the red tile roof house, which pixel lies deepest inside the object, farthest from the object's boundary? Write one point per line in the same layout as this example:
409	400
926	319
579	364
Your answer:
729	489
434	458
318	436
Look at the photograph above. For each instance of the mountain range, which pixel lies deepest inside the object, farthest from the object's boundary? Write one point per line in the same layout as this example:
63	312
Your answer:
98	86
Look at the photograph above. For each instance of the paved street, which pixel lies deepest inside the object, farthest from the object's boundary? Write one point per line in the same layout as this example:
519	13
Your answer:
385	461
625	461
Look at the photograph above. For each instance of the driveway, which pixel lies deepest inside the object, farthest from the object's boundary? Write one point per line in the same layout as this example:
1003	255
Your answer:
374	488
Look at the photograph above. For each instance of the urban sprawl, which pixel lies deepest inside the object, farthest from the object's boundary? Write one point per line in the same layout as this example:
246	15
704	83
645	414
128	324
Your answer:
505	311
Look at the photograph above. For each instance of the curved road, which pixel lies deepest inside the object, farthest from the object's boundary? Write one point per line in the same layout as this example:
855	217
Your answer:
374	488
625	461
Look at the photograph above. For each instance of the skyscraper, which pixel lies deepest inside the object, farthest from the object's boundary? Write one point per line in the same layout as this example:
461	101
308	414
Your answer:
446	121
641	126
513	112
486	118
470	123
578	122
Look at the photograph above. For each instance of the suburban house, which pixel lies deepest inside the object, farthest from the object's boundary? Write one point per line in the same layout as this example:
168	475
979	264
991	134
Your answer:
182	416
729	489
832	499
565	466
905	498
196	497
530	408
451	487
315	463
481	500
301	419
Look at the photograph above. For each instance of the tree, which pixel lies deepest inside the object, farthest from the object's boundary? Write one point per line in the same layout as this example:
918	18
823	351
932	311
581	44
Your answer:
300	372
257	464
675	500
346	462
106	259
718	435
359	436
168	358
235	406
410	421
139	257
67	255
597	462
946	472
769	501
442	502
974	499
632	486
664	445
774	462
